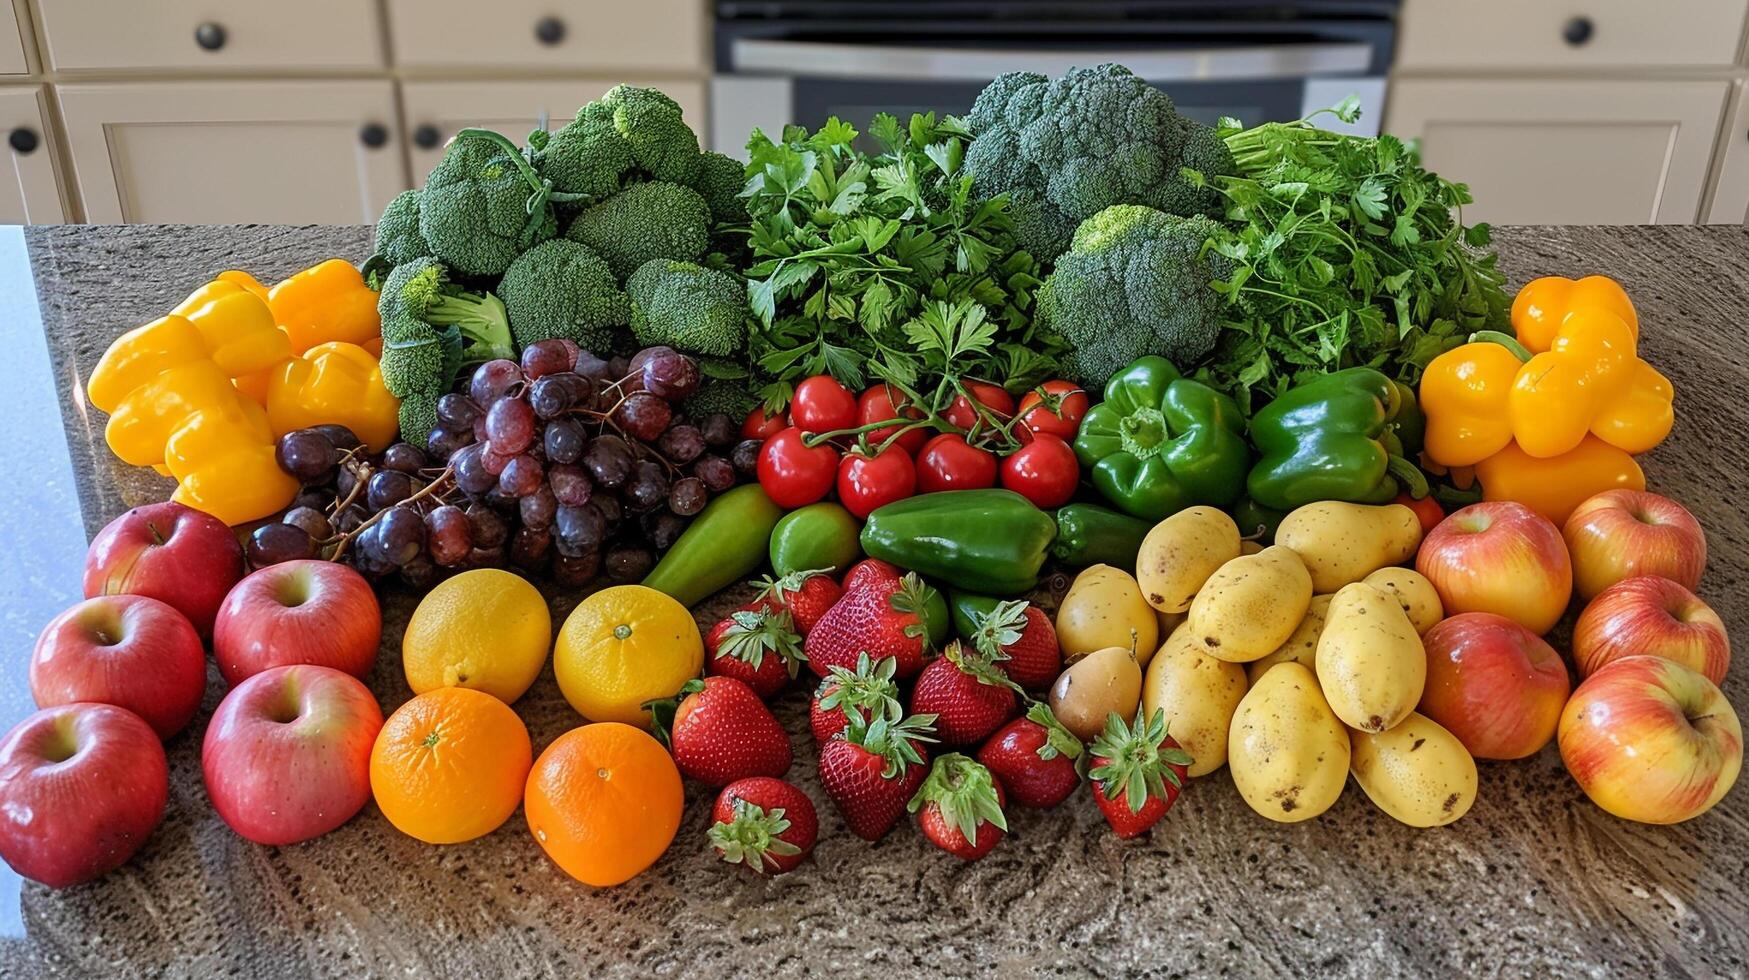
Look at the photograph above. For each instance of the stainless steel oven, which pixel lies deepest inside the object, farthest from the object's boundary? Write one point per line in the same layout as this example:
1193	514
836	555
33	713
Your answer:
783	61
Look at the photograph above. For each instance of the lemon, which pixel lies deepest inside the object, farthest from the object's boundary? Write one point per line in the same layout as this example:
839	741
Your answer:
485	629
624	646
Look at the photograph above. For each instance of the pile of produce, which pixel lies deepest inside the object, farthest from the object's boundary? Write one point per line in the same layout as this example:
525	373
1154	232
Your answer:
1226	380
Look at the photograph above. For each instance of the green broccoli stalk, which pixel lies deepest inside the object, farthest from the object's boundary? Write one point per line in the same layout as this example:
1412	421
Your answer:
397	238
657	220
431	327
1136	281
562	289
484	204
688	307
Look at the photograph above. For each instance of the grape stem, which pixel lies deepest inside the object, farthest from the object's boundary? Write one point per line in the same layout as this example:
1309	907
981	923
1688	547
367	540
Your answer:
433	488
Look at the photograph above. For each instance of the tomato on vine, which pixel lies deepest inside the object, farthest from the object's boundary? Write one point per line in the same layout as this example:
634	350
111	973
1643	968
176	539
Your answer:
948	462
793	473
759	425
1056	407
866	482
821	404
961	413
877	404
1043	471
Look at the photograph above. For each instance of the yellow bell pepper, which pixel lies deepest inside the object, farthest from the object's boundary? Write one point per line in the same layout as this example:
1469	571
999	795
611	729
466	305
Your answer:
147	416
334	382
324	303
224	464
240	335
1464	397
1542	306
140	355
1554	485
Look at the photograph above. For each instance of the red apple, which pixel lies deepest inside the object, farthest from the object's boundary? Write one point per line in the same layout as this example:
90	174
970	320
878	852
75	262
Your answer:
1655	617
127	650
170	552
1494	684
298	612
1651	740
1618	534
287	754
1499	557
81	787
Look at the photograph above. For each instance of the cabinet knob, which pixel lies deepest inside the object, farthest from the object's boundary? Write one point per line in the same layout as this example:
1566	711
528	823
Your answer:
210	36
23	140
427	137
1578	31
374	135
549	30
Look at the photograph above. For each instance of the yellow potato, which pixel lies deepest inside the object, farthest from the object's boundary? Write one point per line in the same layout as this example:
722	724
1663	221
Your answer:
1417	772
1370	661
1168	622
1287	751
1093	687
1250	605
1104	608
1342	542
1301	647
1180	554
1198	694
1417	595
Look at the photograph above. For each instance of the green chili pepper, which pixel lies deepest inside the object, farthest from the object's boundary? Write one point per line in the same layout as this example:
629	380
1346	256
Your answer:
1088	534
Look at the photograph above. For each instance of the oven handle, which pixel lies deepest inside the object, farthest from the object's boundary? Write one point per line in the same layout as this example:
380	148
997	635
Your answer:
820	59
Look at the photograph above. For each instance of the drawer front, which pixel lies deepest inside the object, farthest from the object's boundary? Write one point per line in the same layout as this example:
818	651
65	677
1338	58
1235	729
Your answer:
30	193
435	110
86	35
12	61
1578	34
578	35
220	152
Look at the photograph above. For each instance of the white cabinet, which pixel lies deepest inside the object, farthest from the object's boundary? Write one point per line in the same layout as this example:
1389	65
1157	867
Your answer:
584	36
209	35
1553	151
29	190
317	152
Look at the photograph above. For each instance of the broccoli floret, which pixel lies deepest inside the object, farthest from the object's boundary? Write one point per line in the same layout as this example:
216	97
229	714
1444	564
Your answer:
650	122
586	156
718	395
688	307
431	327
720	179
397	238
1135	281
630	133
1096	137
483	205
645	221
562	289
418	416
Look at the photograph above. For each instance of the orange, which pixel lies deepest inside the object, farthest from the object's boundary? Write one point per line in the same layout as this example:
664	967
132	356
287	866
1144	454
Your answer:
604	802
624	646
449	765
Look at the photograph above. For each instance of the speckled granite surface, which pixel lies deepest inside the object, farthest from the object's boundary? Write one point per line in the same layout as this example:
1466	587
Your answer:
1535	881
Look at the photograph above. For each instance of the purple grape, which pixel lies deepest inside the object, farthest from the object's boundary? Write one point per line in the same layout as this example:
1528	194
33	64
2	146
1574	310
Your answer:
647	487
719	430
576	571
471	474
629	563
339	435
311	521
420	573
509	425
386	489
610	511
544	357
663	528
608	460
314	498
271	544
349	519
681	443
404	458
530	547
449	535
306	456
618	367
670	376
537	509
594	368
687	497
643	416
745	458
521	476
444	443
482	557
571	486
458	412
578	529
401	534
489	530
556	394
493	460
716	472
492	381
564	441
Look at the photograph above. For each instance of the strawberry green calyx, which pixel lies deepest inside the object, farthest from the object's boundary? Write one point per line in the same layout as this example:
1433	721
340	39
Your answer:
867	692
964	791
776	588
1058	739
914	596
751	838
1137	761
662	711
894	741
979	665
1002	627
755	633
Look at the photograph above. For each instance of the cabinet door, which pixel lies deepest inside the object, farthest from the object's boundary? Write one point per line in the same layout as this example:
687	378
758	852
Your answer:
1565	152
12	61
220	152
206	35
575	35
435	110
1729	204
29	191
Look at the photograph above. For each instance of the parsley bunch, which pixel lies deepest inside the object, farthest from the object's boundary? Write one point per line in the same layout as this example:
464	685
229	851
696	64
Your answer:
885	266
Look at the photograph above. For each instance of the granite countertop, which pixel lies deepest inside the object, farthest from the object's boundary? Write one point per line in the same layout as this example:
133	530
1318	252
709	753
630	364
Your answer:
1535	881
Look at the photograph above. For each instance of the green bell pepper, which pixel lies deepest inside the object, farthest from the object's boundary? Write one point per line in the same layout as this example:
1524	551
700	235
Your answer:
1160	442
989	541
1256	521
1338	437
1088	534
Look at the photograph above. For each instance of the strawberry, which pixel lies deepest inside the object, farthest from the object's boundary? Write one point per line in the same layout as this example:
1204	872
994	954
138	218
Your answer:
807	595
721	732
1137	772
872	769
971	697
882	616
867	571
1036	758
868	690
764	823
959	807
1022	641
757	646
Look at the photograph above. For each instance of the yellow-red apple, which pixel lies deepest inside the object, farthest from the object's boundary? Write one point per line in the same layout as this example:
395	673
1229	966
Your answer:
1618	534
1494	684
1499	557
1651	616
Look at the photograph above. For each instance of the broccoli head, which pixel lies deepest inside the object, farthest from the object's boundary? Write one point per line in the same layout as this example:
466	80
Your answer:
483	205
662	145
1135	281
587	155
431	327
418	416
720	179
1096	137
657	220
688	307
397	238
730	397
629	134
562	289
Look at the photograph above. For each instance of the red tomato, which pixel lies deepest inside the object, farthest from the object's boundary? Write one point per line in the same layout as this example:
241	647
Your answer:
867	482
794	474
759	425
961	413
1058	411
947	462
821	404
876	405
1043	471
1427	510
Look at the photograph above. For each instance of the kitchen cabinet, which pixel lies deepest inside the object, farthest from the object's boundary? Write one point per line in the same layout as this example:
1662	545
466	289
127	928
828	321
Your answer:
316	152
1538	151
435	110
204	35
592	37
30	191
12	42
1577	35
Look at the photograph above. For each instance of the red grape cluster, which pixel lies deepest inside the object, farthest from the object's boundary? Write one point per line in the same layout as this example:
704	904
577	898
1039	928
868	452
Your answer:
564	465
